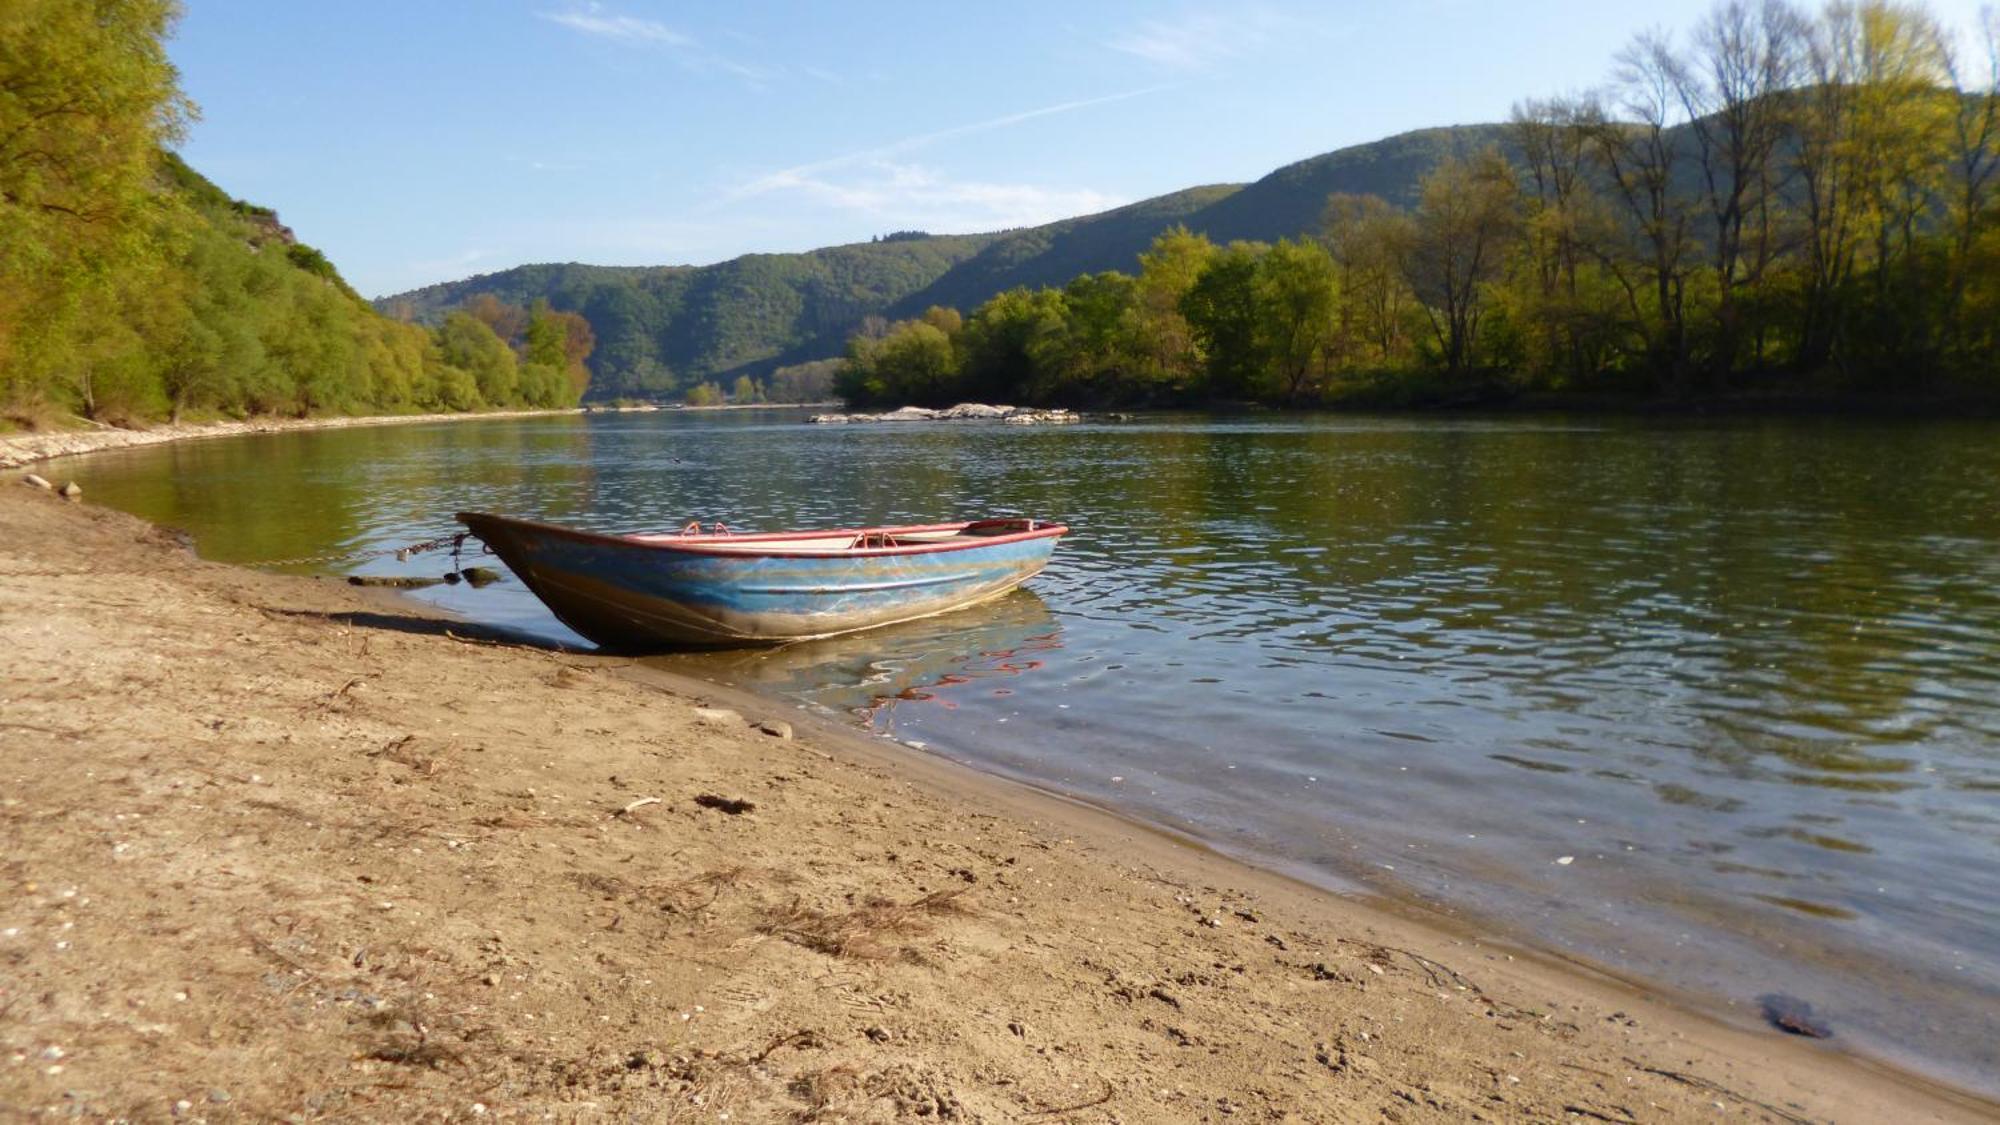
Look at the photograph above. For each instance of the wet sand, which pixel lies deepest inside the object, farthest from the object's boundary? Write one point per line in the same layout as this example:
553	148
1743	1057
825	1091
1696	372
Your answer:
275	848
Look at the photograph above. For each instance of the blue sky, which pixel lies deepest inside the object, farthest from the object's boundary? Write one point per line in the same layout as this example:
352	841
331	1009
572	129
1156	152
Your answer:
423	142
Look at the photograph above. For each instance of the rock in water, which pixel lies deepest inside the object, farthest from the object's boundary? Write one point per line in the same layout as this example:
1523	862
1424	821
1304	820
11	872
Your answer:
1791	1014
72	490
38	482
963	412
481	576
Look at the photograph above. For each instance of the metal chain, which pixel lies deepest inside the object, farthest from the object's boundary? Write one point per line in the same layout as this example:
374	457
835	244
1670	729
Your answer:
454	541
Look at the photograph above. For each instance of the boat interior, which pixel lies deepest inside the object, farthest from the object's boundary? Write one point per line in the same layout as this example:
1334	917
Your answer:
834	543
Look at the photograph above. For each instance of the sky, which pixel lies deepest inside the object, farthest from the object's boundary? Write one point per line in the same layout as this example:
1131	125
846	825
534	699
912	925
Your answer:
423	142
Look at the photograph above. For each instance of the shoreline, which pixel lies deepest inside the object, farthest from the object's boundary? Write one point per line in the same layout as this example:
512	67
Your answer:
22	448
29	447
273	759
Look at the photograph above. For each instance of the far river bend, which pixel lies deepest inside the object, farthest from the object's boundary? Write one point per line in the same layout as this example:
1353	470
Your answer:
1715	703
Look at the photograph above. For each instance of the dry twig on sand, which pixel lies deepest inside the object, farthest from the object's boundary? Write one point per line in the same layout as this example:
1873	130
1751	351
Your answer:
864	931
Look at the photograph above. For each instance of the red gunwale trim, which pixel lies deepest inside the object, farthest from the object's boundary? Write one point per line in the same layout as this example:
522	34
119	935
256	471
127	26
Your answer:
711	545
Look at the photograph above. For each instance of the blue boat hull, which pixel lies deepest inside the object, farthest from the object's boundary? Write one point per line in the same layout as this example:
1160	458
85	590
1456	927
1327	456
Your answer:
635	593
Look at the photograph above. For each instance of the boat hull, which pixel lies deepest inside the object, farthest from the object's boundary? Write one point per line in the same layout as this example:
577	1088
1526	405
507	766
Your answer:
637	593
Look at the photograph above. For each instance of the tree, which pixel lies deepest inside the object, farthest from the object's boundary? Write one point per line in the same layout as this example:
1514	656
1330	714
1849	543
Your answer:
947	321
1006	338
1168	358
1298	297
1465	219
1221	308
1974	171
508	322
469	344
1369	241
544	338
1562	217
1088	353
745	391
1744	58
803	382
913	365
1870	131
87	96
1641	161
578	343
1902	126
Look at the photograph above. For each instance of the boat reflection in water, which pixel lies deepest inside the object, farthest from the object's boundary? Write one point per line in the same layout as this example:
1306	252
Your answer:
936	661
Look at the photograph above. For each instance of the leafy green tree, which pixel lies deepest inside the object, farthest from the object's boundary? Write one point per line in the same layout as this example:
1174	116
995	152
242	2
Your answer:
544	338
1298	297
803	382
87	96
1087	355
1168	357
1369	241
468	343
578	342
1002	344
920	360
745	391
1222	309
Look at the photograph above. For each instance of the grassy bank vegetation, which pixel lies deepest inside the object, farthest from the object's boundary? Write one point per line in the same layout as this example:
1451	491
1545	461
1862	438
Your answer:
132	289
1779	203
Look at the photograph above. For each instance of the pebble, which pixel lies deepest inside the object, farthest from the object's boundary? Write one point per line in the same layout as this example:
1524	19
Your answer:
219	1096
38	482
777	728
71	490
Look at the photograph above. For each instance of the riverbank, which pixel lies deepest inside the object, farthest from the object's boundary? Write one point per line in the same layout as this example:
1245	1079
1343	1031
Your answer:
275	847
28	447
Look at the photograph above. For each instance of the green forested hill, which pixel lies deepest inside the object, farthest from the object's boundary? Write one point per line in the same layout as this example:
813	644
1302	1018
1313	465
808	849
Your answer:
1292	200
1054	253
132	288
661	329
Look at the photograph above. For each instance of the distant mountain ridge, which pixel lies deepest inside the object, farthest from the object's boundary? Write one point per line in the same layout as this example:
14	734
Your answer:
663	328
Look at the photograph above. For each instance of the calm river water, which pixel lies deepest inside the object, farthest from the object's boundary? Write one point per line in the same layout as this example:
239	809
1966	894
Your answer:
1714	703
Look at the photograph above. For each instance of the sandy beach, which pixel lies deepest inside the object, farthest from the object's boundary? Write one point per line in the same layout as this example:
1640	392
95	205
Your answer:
28	447
278	849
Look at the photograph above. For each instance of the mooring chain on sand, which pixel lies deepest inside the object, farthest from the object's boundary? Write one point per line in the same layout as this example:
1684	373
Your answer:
453	540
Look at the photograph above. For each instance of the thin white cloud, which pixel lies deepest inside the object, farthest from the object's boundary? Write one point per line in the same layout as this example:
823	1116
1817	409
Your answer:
634	31
787	176
1201	40
625	29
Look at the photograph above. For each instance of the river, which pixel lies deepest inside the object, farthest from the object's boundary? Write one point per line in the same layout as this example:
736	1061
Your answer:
1715	704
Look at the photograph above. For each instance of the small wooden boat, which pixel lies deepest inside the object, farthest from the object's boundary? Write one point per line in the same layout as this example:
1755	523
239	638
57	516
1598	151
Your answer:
722	588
